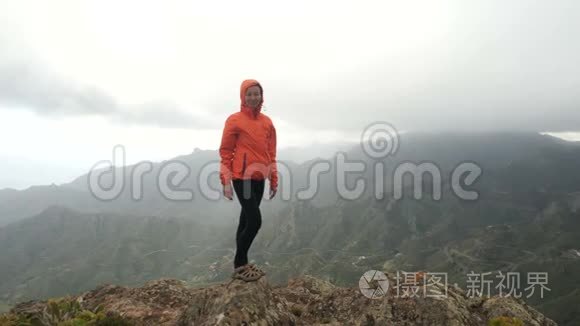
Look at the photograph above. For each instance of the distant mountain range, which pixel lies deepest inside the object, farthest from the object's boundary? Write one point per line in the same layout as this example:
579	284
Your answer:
58	239
15	205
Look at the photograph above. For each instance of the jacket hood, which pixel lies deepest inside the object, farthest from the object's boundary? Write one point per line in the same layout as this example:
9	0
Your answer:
243	88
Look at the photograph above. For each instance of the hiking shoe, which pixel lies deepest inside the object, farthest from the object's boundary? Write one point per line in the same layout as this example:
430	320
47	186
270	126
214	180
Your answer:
257	269
246	273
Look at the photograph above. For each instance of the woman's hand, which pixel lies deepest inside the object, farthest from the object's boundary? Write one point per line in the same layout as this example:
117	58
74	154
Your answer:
272	193
228	192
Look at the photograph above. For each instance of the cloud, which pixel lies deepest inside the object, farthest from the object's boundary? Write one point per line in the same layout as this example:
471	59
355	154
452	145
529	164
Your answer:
449	65
491	66
29	86
165	114
450	100
26	85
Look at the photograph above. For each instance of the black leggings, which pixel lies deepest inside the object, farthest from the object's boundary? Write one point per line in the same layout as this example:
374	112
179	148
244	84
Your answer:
249	193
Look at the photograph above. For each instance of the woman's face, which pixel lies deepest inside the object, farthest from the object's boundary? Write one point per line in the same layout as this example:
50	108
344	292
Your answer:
253	96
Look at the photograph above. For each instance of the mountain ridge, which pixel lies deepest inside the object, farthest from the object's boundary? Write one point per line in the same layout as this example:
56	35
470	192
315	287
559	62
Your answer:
305	300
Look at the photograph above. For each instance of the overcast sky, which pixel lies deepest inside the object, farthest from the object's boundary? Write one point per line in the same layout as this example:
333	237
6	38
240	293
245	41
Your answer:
78	77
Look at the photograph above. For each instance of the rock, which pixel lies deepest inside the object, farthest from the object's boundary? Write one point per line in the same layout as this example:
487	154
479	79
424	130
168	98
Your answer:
511	307
253	303
303	301
159	302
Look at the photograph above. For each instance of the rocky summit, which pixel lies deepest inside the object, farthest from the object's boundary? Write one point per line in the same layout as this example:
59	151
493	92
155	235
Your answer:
303	301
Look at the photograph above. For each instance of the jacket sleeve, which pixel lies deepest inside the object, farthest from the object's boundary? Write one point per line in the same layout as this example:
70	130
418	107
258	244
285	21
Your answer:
272	153
227	149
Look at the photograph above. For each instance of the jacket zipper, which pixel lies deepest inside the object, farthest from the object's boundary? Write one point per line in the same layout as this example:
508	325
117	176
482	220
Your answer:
244	165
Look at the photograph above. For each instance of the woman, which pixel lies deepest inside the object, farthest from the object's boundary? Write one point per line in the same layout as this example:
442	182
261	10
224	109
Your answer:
248	157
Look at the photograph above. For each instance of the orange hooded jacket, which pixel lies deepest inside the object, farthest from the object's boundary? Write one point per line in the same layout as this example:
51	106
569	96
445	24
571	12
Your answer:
248	146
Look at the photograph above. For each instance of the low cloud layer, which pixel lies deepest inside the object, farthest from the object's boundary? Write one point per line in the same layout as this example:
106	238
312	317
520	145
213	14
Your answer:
31	87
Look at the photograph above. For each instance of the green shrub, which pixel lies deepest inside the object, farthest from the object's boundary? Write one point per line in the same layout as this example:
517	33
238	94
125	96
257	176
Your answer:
65	311
506	321
13	320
